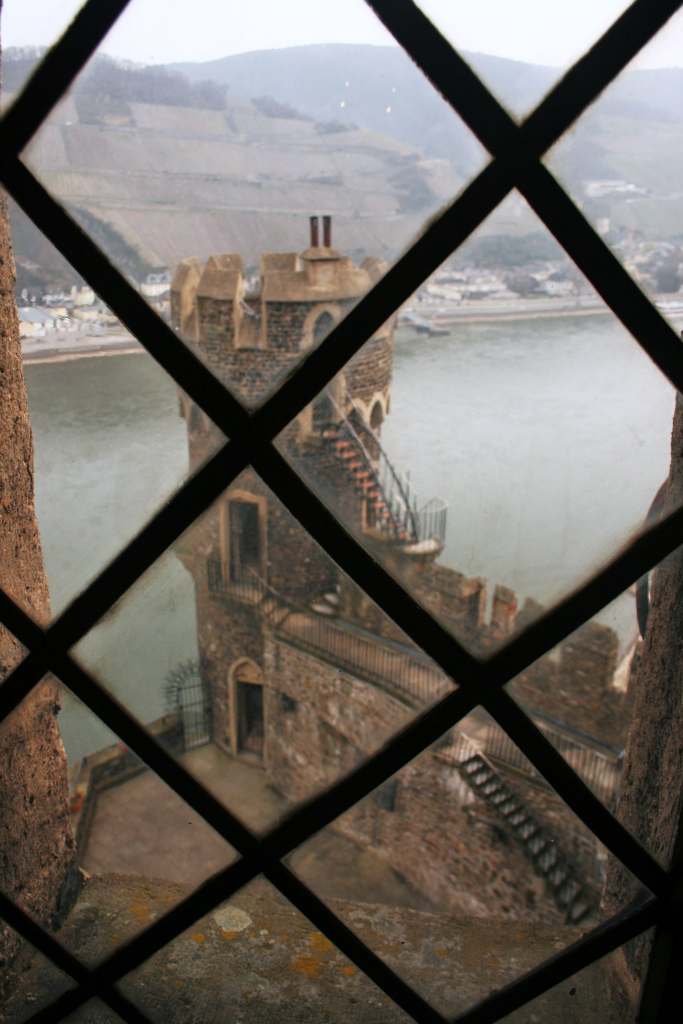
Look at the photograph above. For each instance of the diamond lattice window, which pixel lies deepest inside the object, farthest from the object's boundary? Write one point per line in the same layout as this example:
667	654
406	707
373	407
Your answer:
467	684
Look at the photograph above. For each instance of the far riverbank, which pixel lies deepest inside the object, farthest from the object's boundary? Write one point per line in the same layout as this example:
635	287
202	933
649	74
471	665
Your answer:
55	348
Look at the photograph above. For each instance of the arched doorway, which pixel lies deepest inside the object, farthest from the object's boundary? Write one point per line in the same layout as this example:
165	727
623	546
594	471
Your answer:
247	712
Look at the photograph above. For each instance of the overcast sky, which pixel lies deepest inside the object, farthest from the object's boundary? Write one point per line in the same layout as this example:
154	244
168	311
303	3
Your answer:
541	31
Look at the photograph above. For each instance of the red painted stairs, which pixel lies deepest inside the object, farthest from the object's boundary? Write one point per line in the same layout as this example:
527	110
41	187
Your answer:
362	473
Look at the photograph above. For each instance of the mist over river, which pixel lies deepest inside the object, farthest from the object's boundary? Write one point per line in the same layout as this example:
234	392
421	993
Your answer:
548	438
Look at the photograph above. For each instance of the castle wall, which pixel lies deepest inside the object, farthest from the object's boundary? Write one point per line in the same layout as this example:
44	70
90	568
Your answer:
250	377
321	722
574	685
369	372
285	324
216	329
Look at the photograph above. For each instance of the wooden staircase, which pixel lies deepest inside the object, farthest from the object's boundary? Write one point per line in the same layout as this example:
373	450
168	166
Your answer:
570	896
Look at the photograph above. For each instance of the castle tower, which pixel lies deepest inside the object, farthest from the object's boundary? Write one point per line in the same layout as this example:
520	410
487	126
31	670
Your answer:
252	330
303	672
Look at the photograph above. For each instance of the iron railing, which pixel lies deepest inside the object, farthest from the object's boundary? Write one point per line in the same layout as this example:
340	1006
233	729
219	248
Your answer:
395	667
245	585
408	522
599	770
406	673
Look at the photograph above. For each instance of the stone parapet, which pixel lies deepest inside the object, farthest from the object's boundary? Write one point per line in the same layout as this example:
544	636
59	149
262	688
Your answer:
256	958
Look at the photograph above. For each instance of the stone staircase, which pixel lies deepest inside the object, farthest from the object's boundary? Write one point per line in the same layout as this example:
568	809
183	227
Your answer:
570	896
390	513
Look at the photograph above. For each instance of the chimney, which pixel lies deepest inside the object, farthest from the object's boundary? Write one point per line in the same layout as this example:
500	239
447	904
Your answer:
327	231
315	237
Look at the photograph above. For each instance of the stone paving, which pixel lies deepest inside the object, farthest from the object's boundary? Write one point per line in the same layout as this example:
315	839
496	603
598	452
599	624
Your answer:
142	828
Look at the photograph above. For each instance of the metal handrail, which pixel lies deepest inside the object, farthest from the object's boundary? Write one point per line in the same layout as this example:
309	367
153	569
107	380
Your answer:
410	675
388	666
599	771
399	516
426	523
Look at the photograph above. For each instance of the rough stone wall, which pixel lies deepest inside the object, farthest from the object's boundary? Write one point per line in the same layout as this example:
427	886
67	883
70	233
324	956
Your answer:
258	956
321	722
370	370
321	469
227	629
295	566
458	600
285	324
574	685
324	703
453	848
216	329
578	844
651	800
227	632
252	373
36	844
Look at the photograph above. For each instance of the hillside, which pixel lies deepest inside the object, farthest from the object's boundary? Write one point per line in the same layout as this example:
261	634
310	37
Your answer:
632	133
166	181
162	163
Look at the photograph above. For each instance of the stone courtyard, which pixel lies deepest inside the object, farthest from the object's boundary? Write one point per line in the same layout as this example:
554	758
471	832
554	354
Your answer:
141	827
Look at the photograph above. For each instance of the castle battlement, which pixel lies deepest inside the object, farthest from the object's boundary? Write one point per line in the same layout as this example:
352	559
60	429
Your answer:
293	304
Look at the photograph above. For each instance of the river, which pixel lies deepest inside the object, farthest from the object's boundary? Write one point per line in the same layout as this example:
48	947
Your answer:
548	439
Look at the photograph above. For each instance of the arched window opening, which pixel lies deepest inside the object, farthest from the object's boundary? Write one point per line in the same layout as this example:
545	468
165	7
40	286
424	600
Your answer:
322	327
323	412
376	416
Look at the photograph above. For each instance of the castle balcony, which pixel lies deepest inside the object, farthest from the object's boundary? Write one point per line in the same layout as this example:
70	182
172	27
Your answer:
245	585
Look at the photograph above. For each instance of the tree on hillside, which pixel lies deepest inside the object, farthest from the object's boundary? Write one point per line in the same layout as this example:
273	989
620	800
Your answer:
109	80
522	284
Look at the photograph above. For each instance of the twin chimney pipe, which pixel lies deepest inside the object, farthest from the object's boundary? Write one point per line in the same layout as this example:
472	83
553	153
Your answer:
315	232
315	238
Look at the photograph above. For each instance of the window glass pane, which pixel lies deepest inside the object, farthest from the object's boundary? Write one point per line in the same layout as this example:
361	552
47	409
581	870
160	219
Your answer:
29	28
114	817
498	861
607	699
621	164
31	983
12	652
278	958
282	674
521	50
203	174
608	989
499	440
95	1011
109	430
